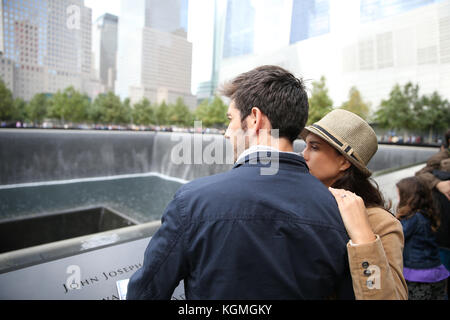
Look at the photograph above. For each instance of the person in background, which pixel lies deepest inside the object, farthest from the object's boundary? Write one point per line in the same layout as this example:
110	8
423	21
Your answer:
425	275
338	149
438	162
436	176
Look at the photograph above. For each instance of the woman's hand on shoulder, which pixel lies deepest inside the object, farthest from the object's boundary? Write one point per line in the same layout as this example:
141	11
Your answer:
444	188
354	215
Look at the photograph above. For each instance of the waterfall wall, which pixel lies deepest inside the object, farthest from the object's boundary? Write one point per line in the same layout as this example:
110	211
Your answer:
48	155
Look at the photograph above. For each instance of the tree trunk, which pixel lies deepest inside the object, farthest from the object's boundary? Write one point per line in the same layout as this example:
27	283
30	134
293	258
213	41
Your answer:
430	135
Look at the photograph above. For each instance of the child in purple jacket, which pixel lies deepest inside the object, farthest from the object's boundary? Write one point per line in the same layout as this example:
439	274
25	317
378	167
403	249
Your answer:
424	273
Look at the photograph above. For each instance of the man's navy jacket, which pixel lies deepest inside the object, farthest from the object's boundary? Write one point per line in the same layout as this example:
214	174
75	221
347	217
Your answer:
244	235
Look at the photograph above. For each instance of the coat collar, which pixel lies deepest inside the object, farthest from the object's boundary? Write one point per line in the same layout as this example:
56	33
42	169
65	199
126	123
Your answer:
262	158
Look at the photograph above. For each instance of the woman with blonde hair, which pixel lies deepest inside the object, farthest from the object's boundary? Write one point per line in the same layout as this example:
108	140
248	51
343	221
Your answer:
338	149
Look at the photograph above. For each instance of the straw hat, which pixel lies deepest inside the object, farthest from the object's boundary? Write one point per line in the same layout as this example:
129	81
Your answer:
349	134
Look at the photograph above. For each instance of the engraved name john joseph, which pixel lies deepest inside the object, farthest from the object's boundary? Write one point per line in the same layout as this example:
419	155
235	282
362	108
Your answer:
76	282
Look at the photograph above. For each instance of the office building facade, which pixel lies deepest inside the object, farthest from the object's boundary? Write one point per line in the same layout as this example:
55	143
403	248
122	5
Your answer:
244	28
310	18
372	10
105	36
394	42
167	15
49	42
154	57
7	72
239	28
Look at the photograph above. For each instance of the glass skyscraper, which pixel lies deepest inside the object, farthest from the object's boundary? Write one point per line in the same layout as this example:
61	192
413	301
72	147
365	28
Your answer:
105	49
20	19
310	18
239	28
166	15
49	43
372	10
154	59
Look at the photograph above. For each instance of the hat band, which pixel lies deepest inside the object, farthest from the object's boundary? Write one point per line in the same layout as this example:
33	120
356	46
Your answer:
339	143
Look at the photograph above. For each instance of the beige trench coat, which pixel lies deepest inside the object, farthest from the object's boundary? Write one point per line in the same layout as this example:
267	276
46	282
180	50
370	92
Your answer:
377	267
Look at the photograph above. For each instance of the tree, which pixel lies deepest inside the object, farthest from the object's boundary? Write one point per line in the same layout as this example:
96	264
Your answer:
144	113
406	109
162	114
399	110
20	113
202	113
218	112
107	108
36	110
179	114
319	102
69	105
94	112
212	114
127	111
356	104
6	102
433	113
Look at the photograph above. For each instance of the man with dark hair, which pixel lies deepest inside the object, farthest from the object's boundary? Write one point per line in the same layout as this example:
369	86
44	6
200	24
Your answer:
266	229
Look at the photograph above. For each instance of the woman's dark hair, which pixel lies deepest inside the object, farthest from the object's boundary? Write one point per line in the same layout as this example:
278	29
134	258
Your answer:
277	93
355	181
447	138
415	197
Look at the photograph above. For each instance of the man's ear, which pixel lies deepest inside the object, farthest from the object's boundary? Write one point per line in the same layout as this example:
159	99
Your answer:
256	118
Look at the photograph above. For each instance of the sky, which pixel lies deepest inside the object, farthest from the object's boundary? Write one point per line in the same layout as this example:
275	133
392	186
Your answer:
100	7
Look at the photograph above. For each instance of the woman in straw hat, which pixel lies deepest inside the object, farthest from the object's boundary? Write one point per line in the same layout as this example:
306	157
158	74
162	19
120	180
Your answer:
338	148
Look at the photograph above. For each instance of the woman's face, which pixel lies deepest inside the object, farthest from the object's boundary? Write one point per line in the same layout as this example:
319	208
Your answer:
324	162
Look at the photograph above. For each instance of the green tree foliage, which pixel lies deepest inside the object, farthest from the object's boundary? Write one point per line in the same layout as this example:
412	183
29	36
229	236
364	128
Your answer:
20	112
406	109
162	114
201	113
398	111
212	114
37	108
432	113
356	104
219	113
94	112
319	102
127	111
6	103
144	113
69	105
179	114
108	109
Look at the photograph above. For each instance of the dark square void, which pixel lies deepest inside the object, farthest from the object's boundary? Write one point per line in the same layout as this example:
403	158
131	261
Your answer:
22	233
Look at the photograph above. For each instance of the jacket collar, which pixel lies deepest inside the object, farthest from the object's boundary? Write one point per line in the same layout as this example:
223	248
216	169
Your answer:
257	148
262	158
